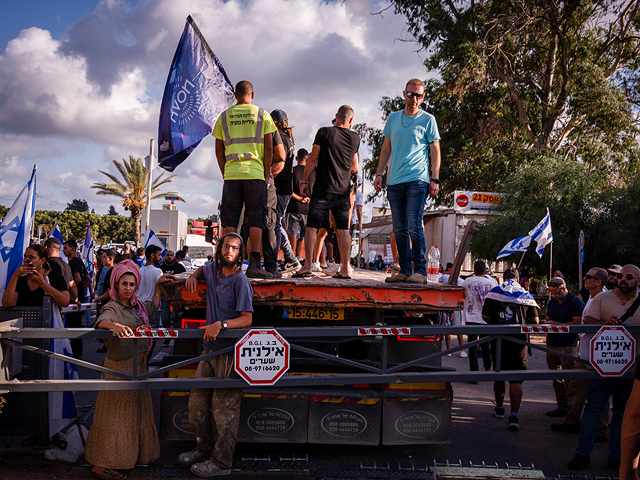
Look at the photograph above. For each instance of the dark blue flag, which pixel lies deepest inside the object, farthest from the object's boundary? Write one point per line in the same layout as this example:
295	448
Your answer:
197	92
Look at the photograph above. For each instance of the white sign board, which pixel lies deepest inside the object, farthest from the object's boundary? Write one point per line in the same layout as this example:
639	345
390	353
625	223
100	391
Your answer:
475	202
613	351
262	357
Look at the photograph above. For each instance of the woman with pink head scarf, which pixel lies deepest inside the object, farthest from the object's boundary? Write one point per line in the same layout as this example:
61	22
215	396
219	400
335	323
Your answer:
123	432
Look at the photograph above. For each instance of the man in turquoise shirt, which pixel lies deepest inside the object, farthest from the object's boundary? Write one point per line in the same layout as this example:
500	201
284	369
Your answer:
409	136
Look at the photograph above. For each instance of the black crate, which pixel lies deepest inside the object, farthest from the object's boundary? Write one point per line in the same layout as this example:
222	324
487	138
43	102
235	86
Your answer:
354	421
402	351
417	420
174	417
274	418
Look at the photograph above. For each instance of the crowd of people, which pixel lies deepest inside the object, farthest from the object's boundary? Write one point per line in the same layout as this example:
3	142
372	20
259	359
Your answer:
609	297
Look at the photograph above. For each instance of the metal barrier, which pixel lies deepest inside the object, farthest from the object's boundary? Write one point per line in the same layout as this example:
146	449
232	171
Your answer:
369	372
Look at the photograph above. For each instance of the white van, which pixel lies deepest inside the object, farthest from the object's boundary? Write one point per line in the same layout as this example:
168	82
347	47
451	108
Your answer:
199	249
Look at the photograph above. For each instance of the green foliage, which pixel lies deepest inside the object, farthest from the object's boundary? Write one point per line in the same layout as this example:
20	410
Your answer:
78	205
133	189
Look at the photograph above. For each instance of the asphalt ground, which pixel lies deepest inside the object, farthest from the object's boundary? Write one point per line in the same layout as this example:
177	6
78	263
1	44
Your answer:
478	437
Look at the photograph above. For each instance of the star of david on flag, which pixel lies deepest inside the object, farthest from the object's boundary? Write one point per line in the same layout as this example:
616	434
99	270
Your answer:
520	244
542	234
15	231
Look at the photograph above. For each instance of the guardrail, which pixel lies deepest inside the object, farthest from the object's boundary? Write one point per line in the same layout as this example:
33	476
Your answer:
366	371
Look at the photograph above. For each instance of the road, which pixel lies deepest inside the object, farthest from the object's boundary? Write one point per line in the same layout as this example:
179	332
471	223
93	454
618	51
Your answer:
477	437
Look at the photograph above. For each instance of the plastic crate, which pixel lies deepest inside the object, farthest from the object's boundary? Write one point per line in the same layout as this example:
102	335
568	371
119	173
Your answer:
344	420
174	416
274	418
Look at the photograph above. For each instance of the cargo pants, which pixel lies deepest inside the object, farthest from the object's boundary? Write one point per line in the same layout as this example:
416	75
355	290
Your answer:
223	403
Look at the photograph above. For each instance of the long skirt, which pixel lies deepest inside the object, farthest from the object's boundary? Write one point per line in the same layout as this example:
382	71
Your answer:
123	432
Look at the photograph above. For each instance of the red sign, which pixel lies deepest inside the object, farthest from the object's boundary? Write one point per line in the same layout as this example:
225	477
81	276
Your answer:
262	357
613	351
462	200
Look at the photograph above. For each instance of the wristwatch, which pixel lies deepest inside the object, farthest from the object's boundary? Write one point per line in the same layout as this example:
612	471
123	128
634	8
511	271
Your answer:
436	181
225	325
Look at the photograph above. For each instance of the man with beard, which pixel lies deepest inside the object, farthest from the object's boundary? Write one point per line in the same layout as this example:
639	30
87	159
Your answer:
229	305
613	307
170	266
614	274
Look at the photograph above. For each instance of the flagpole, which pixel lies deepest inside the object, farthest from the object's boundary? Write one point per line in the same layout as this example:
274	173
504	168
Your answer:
521	258
33	221
150	167
550	260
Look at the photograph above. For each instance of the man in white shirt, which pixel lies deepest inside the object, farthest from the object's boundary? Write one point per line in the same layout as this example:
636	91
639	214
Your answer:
150	273
451	318
476	288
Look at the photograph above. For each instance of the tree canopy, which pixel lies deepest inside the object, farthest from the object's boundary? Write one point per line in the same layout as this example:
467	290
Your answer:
132	189
78	205
526	93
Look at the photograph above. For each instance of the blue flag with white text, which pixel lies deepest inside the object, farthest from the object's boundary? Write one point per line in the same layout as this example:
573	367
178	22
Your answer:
197	92
15	232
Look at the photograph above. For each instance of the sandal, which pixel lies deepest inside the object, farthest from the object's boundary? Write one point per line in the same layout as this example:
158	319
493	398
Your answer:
108	474
337	275
301	275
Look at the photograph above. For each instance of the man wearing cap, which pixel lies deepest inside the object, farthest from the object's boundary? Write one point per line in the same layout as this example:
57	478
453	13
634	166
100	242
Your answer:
564	308
613	307
244	150
614	274
510	304
284	189
594	282
410	135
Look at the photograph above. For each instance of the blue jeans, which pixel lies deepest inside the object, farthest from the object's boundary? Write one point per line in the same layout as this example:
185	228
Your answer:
407	207
597	400
282	241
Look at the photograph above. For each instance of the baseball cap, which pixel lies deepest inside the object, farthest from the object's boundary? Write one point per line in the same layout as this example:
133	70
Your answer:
615	268
279	115
555	282
510	273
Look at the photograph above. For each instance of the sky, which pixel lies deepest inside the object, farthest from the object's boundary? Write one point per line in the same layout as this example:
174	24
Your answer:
82	82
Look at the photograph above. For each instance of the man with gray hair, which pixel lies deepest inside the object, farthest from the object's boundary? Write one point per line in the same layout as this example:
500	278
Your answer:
335	152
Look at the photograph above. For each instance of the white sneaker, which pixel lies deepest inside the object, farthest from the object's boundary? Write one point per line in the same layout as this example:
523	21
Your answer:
315	267
350	270
333	268
448	355
330	264
463	354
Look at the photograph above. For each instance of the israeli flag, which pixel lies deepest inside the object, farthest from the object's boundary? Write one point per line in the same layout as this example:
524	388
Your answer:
520	244
511	292
62	407
152	239
197	92
542	234
88	255
56	233
15	232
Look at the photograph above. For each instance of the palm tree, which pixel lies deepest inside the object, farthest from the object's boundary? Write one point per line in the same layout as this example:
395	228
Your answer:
133	190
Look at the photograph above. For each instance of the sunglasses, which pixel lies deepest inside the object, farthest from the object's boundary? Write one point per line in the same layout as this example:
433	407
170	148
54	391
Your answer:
416	95
234	248
627	276
589	277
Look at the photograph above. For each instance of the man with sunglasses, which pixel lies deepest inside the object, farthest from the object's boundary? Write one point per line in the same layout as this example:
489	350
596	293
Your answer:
229	305
613	307
594	282
410	135
614	274
563	308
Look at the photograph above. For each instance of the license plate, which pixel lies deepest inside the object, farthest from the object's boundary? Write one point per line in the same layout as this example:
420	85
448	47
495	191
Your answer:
314	313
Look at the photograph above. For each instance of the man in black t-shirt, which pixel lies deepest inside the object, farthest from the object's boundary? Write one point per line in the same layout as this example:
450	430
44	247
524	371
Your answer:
298	209
52	245
335	152
82	280
169	266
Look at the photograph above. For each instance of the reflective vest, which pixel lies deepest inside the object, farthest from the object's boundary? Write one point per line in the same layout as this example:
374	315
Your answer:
244	146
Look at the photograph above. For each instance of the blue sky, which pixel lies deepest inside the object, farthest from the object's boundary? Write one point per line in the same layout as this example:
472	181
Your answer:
82	81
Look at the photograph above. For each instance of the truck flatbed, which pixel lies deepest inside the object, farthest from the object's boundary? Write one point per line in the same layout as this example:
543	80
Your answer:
366	289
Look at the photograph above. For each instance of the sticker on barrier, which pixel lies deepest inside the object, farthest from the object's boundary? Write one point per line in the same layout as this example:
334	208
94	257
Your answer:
613	351
384	331
262	357
161	333
544	329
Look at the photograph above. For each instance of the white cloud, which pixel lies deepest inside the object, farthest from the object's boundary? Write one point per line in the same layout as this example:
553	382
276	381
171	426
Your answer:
72	104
